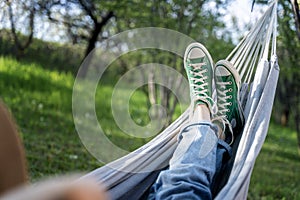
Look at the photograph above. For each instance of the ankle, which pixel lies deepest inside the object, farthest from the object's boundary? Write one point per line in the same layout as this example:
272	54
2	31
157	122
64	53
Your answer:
201	113
221	133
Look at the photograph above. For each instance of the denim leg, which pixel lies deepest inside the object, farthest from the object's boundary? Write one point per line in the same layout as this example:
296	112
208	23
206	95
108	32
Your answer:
223	154
193	165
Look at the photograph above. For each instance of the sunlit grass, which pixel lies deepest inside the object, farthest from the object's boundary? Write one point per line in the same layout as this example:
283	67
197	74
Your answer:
41	102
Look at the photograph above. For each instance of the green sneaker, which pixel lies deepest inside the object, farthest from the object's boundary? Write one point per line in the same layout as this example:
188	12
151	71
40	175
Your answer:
227	82
199	68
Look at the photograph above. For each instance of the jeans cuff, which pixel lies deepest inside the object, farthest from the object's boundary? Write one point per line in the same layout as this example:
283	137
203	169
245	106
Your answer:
203	123
212	126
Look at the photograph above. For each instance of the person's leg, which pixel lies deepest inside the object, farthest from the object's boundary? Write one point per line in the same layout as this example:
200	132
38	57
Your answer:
192	166
230	111
194	162
229	117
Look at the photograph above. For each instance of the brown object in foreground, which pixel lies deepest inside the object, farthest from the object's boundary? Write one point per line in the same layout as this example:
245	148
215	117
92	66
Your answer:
86	190
13	171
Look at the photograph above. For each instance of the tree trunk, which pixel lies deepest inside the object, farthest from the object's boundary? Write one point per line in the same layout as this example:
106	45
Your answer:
151	88
92	42
295	6
19	47
284	119
297	122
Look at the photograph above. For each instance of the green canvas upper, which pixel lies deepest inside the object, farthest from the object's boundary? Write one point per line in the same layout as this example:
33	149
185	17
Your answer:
199	72
228	101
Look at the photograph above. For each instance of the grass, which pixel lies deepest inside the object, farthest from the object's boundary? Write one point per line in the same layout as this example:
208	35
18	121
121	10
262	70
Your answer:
276	173
40	101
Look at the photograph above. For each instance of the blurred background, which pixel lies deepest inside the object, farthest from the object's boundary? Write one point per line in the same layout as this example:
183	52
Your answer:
43	43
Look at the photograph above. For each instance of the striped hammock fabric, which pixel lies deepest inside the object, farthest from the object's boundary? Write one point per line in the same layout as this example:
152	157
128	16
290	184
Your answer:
255	59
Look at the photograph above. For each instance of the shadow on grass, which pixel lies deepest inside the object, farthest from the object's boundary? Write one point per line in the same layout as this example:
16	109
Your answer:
282	153
276	173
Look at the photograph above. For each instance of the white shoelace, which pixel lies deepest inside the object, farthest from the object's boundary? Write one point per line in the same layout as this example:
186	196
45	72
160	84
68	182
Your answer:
199	84
223	106
222	98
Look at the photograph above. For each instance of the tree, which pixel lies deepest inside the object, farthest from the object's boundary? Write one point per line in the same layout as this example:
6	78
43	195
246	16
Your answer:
90	21
288	50
192	18
21	12
296	12
84	20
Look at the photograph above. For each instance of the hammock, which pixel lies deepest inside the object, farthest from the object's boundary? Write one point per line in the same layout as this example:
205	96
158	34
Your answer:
131	176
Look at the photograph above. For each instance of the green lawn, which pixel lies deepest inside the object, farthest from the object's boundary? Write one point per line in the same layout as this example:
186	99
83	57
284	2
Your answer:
277	169
40	101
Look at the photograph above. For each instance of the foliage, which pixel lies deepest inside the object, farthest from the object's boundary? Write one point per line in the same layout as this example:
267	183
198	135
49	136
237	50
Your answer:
287	101
17	10
192	18
87	21
81	18
288	93
61	57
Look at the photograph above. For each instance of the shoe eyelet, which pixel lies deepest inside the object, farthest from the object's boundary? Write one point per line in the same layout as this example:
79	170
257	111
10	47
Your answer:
230	82
230	103
230	97
230	89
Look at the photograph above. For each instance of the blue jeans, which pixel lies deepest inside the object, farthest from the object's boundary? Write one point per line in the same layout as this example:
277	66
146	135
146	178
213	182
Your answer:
198	157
